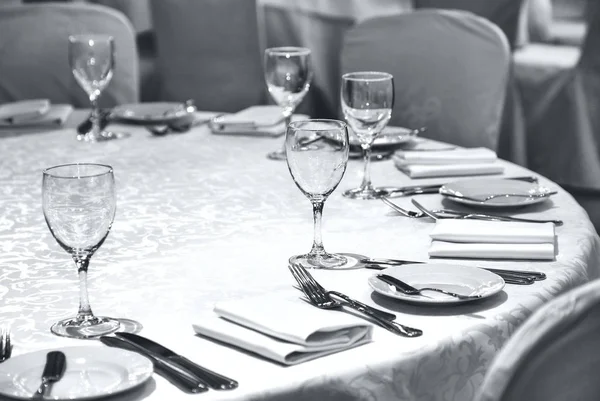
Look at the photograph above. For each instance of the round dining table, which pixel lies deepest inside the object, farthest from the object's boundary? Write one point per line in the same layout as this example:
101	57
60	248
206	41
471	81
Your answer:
205	218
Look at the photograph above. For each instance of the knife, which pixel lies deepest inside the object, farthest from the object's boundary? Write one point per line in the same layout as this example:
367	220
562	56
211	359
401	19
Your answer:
211	379
56	363
181	378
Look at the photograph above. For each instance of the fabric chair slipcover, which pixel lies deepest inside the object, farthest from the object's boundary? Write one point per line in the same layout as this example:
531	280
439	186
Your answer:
450	71
509	15
34	60
208	50
554	355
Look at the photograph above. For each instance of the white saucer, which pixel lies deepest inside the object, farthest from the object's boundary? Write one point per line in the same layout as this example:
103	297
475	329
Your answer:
154	112
464	280
91	372
390	136
482	187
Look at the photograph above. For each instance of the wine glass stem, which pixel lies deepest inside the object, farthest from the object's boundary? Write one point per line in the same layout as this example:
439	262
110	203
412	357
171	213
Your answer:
317	247
85	310
366	182
288	120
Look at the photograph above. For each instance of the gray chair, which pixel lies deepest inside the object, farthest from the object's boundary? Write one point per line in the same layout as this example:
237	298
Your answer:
553	356
450	71
208	50
34	53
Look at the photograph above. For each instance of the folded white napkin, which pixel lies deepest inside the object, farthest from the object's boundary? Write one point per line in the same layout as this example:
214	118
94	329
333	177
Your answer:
56	115
455	156
492	240
253	121
448	170
288	331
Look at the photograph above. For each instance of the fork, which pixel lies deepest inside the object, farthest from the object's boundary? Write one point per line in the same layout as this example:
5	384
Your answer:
5	344
320	298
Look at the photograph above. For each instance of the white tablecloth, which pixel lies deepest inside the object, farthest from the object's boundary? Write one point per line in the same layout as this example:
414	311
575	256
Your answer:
204	218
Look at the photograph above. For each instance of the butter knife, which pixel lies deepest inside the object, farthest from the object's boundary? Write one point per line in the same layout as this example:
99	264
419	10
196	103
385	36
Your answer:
212	379
56	363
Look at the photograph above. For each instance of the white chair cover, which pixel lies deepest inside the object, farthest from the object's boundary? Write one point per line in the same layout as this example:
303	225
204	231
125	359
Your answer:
450	71
208	50
34	48
554	355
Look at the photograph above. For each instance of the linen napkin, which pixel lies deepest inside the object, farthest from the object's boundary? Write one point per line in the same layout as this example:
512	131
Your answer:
54	115
492	240
253	121
447	163
286	330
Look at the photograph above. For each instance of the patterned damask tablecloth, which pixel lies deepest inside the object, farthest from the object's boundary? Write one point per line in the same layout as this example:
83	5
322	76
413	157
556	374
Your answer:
203	218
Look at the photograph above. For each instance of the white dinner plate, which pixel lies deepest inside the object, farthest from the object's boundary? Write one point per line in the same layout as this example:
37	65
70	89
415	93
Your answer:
464	280
482	187
390	136
91	372
144	113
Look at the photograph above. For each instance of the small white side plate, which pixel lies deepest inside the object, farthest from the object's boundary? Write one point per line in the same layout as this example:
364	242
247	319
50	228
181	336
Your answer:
464	280
154	112
91	372
483	187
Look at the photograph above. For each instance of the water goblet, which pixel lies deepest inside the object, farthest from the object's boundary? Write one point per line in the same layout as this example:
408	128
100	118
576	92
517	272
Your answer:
367	101
288	73
92	61
79	205
317	155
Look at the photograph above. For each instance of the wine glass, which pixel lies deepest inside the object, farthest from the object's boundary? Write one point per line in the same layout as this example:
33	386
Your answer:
79	205
367	101
317	155
288	73
92	61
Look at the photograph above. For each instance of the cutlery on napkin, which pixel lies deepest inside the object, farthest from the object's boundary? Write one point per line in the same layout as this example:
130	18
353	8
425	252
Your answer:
446	163
33	113
253	121
492	240
285	330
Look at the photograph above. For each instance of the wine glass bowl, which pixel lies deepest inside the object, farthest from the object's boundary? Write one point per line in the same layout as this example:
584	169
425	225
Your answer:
317	156
288	74
367	100
79	205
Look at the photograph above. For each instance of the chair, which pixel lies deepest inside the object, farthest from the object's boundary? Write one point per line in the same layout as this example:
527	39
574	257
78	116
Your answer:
554	355
208	50
34	53
450	71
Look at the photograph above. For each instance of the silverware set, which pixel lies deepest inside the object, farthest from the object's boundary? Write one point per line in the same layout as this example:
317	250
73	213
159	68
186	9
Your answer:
323	299
180	371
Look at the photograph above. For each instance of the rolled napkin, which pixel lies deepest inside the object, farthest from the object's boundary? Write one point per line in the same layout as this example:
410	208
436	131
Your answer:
288	331
34	114
454	156
253	121
492	240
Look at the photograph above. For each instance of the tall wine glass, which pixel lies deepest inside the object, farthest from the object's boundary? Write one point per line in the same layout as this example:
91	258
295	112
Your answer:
367	101
92	61
79	205
288	73
317	155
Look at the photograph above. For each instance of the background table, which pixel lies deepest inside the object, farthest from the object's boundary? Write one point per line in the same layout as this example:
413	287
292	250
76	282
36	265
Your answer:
203	218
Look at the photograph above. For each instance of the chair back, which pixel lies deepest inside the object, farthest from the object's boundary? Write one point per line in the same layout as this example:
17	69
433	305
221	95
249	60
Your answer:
554	355
450	71
34	50
208	50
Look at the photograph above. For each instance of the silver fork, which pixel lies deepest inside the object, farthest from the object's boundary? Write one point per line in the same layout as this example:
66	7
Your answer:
5	344
320	298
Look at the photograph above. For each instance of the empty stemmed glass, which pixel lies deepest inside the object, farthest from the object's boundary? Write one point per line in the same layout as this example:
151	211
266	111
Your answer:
288	73
79	205
367	101
92	61
317	155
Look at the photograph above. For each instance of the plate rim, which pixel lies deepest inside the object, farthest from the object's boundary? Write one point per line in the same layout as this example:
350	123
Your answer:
433	301
145	375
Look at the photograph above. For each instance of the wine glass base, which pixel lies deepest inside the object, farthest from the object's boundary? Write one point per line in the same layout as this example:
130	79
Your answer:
277	155
369	193
322	261
93	327
103	137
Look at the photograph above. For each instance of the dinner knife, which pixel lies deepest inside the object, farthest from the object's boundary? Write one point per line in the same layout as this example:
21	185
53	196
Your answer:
56	363
178	376
212	379
434	188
